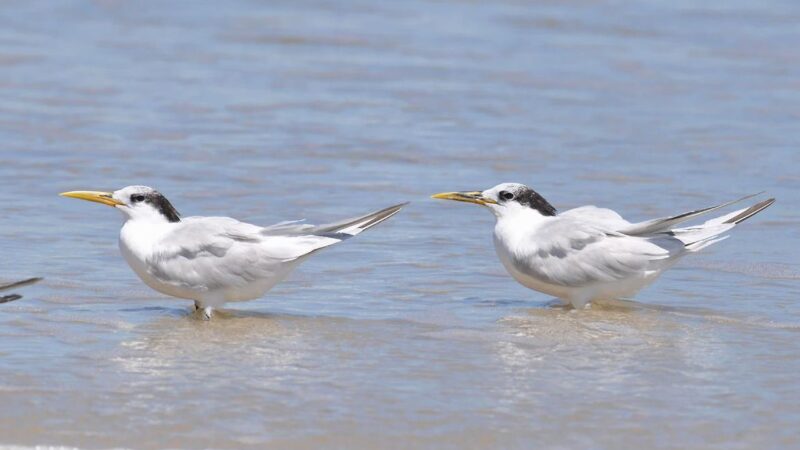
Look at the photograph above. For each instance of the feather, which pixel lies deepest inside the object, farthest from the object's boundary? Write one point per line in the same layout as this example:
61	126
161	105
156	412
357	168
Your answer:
665	223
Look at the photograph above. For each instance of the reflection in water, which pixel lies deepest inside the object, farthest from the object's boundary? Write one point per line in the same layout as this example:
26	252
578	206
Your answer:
170	346
604	361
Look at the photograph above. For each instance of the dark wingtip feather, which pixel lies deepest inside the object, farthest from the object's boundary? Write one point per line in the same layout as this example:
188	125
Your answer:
10	298
383	214
20	283
751	211
363	222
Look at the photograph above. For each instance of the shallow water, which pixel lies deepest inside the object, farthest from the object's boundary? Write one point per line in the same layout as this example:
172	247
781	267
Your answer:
410	335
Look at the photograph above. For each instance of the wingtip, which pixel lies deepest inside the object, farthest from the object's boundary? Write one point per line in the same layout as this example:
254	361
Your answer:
30	281
768	202
19	284
395	208
10	298
752	211
748	197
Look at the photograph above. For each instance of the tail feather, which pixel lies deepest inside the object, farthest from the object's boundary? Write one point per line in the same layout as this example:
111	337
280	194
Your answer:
699	245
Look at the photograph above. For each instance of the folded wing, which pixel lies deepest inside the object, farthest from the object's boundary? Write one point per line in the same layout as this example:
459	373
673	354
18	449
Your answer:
214	252
574	253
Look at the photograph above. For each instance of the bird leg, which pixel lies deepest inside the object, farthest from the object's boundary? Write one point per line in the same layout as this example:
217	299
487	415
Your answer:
580	301
207	311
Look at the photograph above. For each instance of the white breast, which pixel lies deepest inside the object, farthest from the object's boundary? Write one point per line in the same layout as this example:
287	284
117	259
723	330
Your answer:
504	254
136	242
513	232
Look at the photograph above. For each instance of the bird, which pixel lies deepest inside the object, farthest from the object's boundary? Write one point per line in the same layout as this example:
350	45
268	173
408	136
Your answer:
17	284
214	260
589	254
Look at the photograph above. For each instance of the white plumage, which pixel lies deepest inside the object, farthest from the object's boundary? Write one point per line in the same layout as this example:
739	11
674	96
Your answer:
214	260
590	253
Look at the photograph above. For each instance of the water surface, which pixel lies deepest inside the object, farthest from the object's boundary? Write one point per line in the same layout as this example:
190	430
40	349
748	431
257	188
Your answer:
410	335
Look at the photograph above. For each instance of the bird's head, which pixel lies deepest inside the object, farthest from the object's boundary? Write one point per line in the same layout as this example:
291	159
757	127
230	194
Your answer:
504	199
135	202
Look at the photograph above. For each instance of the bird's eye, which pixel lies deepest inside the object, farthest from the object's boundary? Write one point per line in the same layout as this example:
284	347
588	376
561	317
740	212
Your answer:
505	195
136	198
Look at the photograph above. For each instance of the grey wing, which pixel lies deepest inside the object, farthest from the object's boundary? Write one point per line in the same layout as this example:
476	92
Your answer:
568	252
214	252
603	217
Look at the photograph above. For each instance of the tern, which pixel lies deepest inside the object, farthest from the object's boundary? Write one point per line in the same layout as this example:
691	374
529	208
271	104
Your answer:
589	253
214	260
15	285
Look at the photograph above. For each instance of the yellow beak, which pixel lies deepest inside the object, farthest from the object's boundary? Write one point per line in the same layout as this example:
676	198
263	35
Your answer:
93	196
469	197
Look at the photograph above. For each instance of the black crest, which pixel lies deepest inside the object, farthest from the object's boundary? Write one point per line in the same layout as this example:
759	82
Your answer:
530	198
163	205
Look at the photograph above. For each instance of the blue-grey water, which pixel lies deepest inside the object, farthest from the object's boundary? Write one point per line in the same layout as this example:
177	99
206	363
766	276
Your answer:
411	335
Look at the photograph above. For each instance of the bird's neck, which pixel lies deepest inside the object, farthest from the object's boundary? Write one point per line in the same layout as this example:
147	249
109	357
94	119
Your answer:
517	225
521	215
139	236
